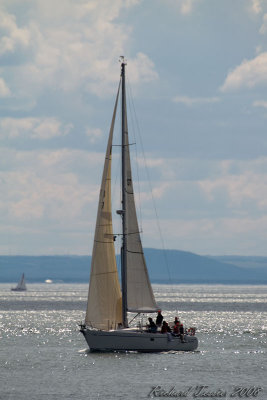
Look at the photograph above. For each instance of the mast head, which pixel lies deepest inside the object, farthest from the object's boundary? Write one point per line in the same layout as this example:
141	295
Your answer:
122	60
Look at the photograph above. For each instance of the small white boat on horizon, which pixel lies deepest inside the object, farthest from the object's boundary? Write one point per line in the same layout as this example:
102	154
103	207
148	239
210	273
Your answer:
106	325
21	286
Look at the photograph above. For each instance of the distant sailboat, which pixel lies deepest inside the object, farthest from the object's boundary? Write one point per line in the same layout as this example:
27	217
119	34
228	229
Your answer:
106	324
21	286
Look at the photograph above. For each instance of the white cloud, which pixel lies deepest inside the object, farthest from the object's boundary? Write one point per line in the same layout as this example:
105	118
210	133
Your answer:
48	200
256	7
50	127
151	162
210	236
142	69
237	186
51	191
249	73
263	28
191	101
185	6
14	127
73	46
33	196
159	190
258	49
35	128
260	103
228	213
4	89
208	200
246	189
11	35
93	134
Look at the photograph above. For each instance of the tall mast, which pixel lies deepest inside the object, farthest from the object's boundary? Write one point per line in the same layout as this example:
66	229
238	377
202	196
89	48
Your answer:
124	233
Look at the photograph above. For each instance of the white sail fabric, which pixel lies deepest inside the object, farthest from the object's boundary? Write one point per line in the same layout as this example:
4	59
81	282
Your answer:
104	307
140	297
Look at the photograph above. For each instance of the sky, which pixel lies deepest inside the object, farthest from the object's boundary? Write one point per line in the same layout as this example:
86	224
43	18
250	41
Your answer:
197	106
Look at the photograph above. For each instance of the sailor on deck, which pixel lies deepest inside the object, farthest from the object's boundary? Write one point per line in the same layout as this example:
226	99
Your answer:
159	319
152	327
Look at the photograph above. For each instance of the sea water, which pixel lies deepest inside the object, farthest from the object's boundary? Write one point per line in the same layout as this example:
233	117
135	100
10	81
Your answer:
44	356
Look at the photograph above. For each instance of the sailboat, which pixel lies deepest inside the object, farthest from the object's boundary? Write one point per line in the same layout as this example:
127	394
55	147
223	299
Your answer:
106	325
21	286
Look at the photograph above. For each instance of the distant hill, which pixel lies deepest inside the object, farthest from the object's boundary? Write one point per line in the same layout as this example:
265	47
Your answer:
169	266
186	267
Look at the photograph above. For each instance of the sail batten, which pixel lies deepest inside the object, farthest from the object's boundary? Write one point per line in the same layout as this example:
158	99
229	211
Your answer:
104	296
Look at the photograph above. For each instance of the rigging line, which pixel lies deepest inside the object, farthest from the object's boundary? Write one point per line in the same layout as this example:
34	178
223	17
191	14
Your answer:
150	187
134	317
132	114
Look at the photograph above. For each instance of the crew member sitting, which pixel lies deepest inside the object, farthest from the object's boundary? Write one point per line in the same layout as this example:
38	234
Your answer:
165	327
152	327
176	329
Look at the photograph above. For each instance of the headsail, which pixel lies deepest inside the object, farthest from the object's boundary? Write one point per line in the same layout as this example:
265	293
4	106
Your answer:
104	310
140	297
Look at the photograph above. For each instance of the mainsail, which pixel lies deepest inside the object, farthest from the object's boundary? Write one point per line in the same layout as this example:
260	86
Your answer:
140	297
104	310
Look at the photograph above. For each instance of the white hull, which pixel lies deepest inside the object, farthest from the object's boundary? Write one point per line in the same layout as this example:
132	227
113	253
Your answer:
136	340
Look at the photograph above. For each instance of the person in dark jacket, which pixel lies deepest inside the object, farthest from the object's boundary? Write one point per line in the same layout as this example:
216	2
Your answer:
159	318
152	327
